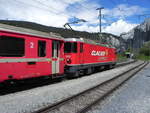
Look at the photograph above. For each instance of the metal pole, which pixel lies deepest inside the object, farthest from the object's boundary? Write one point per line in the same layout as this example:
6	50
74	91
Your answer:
100	21
100	17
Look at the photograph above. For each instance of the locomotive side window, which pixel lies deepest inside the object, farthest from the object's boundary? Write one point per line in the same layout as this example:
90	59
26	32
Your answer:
41	48
70	47
81	47
11	46
67	47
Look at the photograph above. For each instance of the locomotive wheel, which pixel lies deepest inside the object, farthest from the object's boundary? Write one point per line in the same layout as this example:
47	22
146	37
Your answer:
76	75
89	71
73	75
109	67
113	66
10	83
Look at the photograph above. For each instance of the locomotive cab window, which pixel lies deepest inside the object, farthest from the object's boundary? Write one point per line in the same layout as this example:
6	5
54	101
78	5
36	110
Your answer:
12	46
81	47
41	48
70	47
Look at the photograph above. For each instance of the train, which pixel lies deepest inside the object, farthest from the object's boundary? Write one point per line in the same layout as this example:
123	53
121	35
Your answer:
85	56
27	53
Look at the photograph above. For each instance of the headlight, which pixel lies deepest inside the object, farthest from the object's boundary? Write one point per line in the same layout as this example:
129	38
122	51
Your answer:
68	61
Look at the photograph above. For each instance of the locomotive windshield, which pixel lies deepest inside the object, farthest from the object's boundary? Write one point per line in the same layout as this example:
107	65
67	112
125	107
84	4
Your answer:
11	46
70	47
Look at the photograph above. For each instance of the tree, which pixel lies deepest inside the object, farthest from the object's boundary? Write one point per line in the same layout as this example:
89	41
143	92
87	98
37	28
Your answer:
145	50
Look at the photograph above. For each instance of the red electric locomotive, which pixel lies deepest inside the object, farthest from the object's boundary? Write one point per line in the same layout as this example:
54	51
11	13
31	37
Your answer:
26	53
84	55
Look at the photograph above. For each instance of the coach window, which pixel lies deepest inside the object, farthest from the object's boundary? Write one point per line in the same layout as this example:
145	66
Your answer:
12	46
41	48
70	47
55	48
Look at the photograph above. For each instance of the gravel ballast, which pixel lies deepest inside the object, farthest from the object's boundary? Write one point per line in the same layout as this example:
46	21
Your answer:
33	99
132	97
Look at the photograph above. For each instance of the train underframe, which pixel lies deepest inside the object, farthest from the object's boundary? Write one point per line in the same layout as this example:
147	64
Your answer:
86	69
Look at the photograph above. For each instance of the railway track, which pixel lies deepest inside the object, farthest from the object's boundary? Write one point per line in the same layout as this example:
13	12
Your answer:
83	101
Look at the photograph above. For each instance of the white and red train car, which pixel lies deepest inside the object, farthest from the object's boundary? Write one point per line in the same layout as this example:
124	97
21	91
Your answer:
84	55
26	53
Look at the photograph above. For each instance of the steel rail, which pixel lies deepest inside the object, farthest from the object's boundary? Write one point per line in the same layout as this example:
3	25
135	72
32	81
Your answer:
125	63
100	92
88	107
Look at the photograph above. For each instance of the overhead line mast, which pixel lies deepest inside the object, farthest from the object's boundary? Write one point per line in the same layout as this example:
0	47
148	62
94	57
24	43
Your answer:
99	9
100	17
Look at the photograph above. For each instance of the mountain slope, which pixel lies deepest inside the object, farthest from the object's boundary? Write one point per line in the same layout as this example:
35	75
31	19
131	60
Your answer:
67	33
138	35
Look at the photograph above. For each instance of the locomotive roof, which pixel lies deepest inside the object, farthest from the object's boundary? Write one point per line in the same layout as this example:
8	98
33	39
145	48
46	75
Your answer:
87	41
26	31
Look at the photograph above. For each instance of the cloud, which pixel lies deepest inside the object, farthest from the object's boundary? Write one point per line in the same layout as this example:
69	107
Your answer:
86	27
118	13
88	12
124	10
50	13
58	12
118	27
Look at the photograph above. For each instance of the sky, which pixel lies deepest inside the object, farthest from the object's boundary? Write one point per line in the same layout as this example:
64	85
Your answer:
118	16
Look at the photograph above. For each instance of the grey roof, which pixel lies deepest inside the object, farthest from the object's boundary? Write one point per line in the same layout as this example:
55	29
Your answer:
74	39
21	30
87	41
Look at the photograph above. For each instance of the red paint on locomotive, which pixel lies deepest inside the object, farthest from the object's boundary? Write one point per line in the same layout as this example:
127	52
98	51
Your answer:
82	54
91	53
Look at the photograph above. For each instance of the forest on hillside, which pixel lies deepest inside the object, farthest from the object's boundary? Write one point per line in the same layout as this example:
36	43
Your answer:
66	33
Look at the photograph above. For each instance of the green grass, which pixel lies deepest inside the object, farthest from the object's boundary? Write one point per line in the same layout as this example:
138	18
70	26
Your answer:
143	57
121	58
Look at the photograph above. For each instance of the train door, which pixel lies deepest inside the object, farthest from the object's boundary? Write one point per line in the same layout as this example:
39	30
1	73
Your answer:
55	57
81	53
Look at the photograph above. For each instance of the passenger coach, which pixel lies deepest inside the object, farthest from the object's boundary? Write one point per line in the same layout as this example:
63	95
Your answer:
26	53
